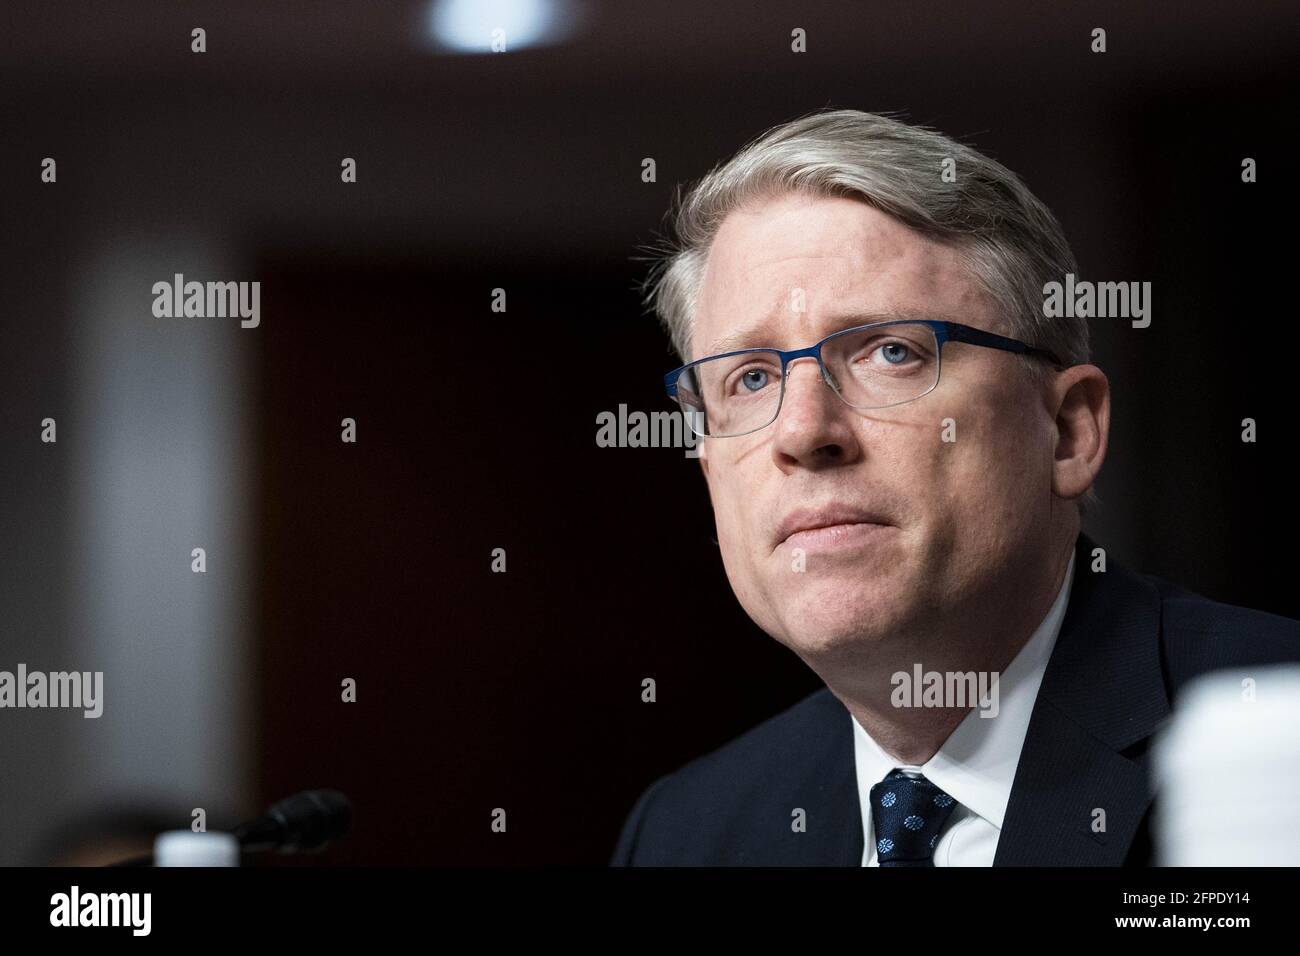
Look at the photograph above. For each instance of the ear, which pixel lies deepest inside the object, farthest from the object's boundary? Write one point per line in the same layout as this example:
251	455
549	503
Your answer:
703	446
1082	396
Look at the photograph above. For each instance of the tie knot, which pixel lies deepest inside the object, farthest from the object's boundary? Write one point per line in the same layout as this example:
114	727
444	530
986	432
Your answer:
908	813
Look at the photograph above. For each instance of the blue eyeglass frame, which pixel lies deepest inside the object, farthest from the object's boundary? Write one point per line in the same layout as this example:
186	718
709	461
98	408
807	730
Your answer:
944	331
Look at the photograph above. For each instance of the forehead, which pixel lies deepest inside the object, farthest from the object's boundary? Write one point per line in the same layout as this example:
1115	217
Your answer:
832	257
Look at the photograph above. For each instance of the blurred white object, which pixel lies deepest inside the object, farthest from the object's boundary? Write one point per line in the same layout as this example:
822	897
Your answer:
472	26
1227	769
187	848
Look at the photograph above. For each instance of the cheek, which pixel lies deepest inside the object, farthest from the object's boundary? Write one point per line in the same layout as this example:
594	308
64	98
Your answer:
737	523
722	498
992	468
733	521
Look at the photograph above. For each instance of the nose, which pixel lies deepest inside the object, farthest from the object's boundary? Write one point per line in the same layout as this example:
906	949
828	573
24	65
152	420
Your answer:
815	428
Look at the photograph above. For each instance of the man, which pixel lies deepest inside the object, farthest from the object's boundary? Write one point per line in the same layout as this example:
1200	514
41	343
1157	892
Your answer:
899	447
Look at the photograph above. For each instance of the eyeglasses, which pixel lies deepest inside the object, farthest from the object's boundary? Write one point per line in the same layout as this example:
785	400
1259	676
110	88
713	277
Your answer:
868	366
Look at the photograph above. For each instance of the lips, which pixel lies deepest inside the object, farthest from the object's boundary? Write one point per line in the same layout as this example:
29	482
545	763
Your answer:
826	516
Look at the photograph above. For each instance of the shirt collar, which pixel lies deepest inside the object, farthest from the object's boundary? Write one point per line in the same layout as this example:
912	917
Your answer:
977	763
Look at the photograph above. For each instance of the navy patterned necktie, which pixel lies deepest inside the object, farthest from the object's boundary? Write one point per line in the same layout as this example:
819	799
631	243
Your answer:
907	814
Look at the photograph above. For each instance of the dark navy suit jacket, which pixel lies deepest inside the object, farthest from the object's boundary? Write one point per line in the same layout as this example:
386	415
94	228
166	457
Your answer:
1128	642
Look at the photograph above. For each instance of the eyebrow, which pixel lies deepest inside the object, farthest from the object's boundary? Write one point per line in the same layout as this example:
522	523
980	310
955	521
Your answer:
735	341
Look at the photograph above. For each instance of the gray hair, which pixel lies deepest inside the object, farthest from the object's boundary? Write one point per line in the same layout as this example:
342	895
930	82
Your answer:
1009	240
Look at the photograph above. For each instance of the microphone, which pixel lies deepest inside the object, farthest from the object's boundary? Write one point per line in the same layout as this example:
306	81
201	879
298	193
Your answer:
305	822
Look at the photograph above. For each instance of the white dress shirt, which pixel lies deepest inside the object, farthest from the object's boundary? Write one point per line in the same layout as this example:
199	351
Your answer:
977	763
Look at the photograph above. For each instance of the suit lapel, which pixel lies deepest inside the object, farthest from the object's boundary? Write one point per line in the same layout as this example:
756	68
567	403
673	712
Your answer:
1102	693
825	784
841	842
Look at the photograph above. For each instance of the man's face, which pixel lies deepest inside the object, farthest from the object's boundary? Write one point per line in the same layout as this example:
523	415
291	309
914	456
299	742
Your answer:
947	516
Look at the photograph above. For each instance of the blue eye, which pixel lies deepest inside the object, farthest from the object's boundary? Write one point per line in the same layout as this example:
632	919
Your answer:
753	379
891	352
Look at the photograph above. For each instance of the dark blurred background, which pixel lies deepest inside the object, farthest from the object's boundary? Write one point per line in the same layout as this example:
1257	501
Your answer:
476	429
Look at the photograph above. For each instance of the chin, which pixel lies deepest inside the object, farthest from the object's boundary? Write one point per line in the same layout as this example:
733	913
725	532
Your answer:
827	614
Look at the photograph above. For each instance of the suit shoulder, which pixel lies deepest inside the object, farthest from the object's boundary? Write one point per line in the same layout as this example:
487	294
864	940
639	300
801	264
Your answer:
771	745
1200	634
695	813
